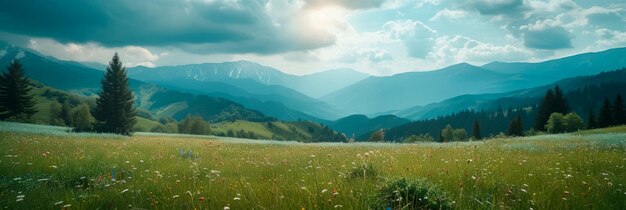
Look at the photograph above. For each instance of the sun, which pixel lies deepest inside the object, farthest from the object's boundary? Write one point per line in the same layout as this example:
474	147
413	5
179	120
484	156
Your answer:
329	18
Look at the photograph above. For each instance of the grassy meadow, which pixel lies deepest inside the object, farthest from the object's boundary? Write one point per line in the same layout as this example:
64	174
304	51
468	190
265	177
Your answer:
44	167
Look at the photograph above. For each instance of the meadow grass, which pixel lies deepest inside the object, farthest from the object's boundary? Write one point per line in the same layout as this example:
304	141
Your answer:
52	170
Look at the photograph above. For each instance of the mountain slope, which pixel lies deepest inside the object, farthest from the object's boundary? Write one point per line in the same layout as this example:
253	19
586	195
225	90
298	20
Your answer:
377	94
401	91
162	102
313	85
572	66
516	98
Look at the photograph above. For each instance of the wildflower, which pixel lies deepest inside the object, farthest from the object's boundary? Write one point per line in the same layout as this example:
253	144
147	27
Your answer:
67	206
226	208
182	152
312	156
141	161
201	198
469	161
324	190
338	206
42	180
125	190
175	196
127	162
58	203
524	190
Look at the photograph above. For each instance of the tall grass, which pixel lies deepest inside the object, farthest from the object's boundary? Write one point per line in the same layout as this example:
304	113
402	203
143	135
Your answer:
49	170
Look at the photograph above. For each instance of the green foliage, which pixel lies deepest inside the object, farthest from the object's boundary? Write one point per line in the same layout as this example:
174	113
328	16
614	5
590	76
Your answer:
553	101
82	119
419	138
16	103
194	125
170	127
555	123
573	122
377	136
363	171
412	194
447	134
115	112
460	134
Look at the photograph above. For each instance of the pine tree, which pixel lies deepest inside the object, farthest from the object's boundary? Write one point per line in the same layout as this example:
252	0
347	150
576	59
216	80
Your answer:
606	114
591	121
15	101
544	110
515	127
560	103
619	118
114	108
476	130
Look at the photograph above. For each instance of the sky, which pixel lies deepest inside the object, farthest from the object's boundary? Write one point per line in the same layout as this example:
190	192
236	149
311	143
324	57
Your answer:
379	37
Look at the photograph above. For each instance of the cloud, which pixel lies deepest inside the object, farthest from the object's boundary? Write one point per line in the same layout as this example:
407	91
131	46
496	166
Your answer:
449	14
416	36
201	26
458	48
93	52
348	4
498	7
374	55
551	38
610	38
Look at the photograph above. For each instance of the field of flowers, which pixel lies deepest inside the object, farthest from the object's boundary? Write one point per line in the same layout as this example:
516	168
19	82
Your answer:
56	170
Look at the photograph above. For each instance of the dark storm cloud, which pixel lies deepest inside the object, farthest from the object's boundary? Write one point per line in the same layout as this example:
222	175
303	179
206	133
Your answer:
214	25
548	39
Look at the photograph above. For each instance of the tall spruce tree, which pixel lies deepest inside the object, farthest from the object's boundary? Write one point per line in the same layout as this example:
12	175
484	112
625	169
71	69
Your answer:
544	110
560	104
114	111
606	115
619	117
591	121
515	127
476	130
15	101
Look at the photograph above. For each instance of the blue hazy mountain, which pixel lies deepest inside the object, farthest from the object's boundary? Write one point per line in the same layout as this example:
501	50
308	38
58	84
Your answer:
249	83
606	80
312	85
376	95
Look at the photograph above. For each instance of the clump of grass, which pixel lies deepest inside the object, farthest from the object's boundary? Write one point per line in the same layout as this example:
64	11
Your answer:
412	194
364	171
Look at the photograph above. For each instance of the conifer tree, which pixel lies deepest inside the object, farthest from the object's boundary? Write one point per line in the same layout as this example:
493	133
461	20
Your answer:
560	103
606	115
591	121
476	130
515	127
544	110
619	118
114	107
15	101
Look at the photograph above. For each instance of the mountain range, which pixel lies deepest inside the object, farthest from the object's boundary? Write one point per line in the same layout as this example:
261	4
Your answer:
344	99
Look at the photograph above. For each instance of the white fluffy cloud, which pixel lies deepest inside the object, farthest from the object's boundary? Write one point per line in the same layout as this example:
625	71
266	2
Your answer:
449	14
92	52
416	36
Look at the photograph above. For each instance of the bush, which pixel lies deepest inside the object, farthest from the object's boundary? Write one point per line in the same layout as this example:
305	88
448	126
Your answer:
364	171
419	138
555	123
412	194
377	136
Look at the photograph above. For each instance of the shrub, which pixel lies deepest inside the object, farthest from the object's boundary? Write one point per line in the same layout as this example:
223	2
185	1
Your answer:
364	171
412	194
